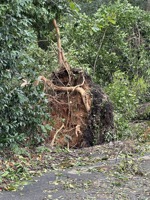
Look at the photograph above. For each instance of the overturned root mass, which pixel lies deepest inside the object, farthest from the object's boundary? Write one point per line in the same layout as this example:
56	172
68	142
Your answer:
81	112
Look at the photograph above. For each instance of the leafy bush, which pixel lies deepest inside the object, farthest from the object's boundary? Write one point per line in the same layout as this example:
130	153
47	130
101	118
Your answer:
125	101
126	96
123	95
114	38
22	109
141	3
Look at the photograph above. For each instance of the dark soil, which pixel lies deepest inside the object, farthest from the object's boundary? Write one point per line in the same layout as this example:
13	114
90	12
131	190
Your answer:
100	119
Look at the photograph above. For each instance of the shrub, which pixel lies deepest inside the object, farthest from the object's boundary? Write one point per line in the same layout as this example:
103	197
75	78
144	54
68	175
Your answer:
124	100
22	109
123	95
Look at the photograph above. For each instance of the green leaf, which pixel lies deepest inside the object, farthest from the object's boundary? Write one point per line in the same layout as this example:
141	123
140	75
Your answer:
74	6
43	128
22	98
48	127
112	21
5	174
95	29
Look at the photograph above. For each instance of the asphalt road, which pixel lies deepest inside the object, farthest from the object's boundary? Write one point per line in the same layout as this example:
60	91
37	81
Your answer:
99	180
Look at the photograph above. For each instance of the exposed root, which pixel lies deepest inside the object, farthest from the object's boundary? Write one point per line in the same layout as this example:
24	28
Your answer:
77	130
84	95
54	138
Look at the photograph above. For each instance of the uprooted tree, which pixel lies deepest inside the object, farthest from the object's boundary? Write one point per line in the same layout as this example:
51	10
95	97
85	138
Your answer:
82	113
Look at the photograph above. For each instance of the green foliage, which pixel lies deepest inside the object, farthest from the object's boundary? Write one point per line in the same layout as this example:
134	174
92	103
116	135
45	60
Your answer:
141	3
25	28
41	13
22	109
91	6
141	87
114	38
123	95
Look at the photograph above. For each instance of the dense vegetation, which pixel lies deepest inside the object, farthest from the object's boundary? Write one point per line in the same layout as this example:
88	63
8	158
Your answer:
110	41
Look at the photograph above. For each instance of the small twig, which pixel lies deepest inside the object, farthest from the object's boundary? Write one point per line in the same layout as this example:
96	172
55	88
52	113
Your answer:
119	152
99	48
54	138
131	38
66	131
